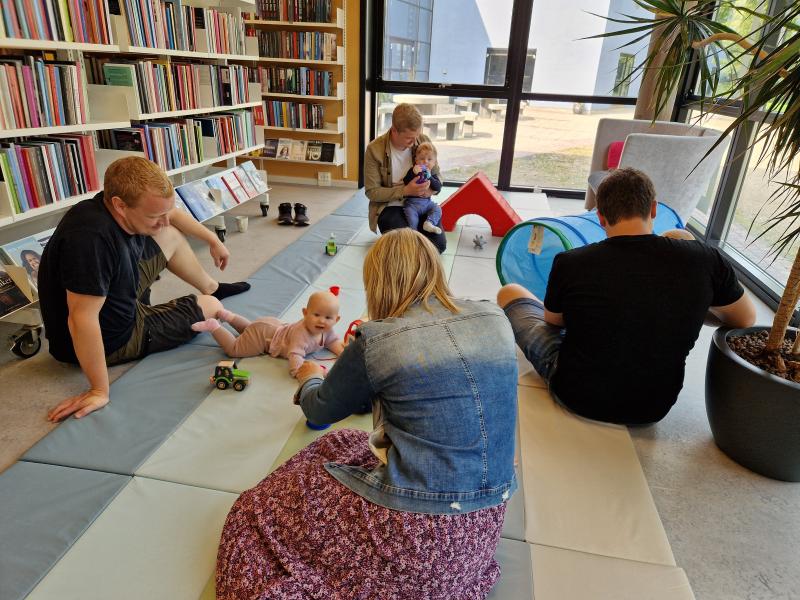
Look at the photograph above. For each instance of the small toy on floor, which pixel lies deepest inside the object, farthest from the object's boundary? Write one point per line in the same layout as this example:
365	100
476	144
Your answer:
479	241
227	374
330	246
268	335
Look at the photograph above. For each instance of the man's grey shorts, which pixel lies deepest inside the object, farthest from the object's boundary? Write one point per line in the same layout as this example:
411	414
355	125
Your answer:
539	342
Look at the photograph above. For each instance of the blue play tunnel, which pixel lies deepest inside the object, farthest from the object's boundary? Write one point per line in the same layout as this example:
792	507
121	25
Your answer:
527	251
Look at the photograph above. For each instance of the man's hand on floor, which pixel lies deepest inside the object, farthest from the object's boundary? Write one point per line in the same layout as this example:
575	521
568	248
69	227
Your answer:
80	405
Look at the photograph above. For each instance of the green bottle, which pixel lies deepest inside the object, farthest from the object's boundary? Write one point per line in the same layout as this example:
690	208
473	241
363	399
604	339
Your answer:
330	246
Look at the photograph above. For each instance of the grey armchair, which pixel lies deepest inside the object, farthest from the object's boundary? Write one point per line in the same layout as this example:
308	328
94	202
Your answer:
668	152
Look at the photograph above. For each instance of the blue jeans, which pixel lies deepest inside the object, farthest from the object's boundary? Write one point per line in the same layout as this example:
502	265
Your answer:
425	209
539	341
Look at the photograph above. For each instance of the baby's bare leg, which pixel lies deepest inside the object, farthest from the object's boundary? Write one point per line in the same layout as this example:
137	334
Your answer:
238	322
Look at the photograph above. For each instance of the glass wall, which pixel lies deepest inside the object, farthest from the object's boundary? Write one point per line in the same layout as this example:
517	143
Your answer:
420	41
555	140
431	45
568	63
702	213
749	231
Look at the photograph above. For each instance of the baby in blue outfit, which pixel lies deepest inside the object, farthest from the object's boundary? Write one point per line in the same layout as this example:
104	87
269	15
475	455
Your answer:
416	208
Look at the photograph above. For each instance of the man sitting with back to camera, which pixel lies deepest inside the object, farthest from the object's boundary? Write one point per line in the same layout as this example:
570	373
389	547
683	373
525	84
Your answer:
620	316
96	273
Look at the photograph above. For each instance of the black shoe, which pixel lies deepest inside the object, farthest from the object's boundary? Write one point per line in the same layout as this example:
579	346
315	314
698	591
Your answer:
300	216
264	208
285	214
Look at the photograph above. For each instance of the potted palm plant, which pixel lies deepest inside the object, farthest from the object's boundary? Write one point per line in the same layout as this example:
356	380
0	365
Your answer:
753	375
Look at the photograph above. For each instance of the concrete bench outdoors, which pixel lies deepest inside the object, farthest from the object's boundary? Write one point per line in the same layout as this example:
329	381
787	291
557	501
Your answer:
454	124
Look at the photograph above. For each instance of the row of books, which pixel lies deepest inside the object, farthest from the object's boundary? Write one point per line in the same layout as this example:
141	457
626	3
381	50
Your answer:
315	11
298	80
288	149
162	86
41	170
41	93
234	186
182	142
84	21
305	45
170	25
295	114
160	24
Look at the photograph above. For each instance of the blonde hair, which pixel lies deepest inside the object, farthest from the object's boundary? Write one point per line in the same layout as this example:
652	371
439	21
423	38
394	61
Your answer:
130	177
401	269
426	147
406	117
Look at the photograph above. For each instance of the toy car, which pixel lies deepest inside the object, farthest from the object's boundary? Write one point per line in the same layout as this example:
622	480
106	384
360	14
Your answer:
226	375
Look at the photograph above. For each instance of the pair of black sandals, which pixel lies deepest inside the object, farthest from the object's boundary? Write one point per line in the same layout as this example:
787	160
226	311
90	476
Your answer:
285	217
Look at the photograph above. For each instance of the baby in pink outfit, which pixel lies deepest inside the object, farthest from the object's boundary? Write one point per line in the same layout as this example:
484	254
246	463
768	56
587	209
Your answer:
268	335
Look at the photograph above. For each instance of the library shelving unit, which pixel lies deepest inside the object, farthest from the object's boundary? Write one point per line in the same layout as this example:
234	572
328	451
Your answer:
94	108
115	106
335	129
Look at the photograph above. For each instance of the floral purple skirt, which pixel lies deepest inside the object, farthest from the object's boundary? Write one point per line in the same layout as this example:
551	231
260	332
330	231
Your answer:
300	534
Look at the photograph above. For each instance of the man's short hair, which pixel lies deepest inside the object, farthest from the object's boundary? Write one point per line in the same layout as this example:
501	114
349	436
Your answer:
131	177
406	117
625	193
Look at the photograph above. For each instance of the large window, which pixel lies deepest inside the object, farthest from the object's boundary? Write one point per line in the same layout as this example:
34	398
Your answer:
748	229
566	63
545	84
449	40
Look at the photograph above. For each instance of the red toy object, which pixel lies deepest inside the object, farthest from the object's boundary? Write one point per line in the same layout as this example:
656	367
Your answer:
479	197
614	154
351	330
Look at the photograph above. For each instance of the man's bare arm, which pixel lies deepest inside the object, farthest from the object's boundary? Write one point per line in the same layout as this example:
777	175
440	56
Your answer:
741	313
190	227
84	327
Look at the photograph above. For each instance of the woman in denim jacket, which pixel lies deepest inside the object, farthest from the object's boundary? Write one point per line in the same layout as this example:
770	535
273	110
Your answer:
415	509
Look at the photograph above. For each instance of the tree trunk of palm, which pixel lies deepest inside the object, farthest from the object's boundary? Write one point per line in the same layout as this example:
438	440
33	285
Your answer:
786	308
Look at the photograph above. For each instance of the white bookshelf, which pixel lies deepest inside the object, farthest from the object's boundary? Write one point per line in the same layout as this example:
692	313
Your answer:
8	219
26	44
194	111
119	101
340	91
336	163
335	106
337	128
302	61
9	133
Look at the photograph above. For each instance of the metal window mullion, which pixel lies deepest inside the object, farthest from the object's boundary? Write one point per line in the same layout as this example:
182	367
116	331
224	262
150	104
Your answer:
515	76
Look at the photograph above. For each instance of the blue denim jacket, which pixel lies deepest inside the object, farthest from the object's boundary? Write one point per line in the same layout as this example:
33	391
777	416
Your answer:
444	392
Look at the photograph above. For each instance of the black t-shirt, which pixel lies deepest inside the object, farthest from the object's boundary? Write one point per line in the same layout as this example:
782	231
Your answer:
90	254
633	307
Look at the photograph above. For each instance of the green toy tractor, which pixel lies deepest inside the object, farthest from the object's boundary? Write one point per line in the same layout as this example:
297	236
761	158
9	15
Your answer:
226	375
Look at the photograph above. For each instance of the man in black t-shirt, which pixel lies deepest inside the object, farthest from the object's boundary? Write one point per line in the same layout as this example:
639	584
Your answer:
620	316
98	265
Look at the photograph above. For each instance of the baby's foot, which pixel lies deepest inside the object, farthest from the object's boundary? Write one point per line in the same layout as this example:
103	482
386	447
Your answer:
225	315
428	226
207	325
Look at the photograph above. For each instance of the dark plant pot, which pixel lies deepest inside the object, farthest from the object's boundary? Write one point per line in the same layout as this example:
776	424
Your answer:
754	416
